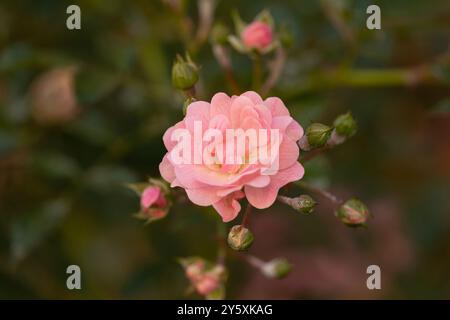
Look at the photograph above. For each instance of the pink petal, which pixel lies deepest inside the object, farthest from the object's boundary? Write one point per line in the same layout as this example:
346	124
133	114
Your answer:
237	106
167	137
252	95
229	207
166	169
187	178
276	106
264	114
262	198
149	196
203	196
220	104
288	153
259	182
294	131
198	109
281	123
219	122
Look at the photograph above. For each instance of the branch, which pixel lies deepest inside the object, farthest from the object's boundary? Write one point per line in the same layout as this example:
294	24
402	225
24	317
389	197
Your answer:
335	201
276	67
223	58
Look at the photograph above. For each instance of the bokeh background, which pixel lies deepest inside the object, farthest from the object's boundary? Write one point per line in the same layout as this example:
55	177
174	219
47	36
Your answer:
66	153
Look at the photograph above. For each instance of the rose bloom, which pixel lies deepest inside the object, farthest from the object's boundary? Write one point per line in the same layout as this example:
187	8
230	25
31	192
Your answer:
153	202
222	185
257	35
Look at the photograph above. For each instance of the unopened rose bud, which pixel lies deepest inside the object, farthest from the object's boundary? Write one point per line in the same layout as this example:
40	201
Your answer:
304	203
277	268
345	125
353	213
153	199
219	33
240	238
318	134
153	203
257	35
184	74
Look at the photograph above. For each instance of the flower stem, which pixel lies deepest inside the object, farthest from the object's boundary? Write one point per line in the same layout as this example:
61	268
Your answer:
314	153
223	58
254	261
247	214
221	251
276	68
257	72
335	201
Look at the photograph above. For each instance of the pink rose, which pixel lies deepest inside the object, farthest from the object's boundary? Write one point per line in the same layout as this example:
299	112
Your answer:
153	202
257	35
222	184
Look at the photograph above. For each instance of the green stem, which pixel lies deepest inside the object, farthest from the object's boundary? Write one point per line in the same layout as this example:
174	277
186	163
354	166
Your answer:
247	214
257	72
345	77
325	194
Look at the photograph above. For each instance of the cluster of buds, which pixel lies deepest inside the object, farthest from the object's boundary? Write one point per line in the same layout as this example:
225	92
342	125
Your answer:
303	203
353	213
154	201
240	238
206	278
319	135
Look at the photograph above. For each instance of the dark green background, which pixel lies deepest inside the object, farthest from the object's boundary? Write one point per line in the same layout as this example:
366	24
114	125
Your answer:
62	199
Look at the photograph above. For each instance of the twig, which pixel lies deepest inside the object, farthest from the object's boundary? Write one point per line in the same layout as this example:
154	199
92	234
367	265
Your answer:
247	214
223	58
257	72
276	67
329	196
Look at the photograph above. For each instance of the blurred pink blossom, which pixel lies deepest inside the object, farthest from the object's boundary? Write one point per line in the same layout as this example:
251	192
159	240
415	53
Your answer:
257	35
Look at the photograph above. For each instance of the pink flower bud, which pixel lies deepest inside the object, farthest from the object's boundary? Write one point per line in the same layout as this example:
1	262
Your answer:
206	278
207	284
257	35
153	202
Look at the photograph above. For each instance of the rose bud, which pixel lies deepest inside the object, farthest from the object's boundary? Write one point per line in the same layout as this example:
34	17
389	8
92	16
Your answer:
353	213
318	134
240	238
257	35
154	204
345	125
277	268
184	73
304	203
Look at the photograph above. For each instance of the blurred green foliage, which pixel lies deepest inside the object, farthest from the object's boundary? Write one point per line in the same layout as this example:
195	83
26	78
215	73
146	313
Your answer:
62	185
